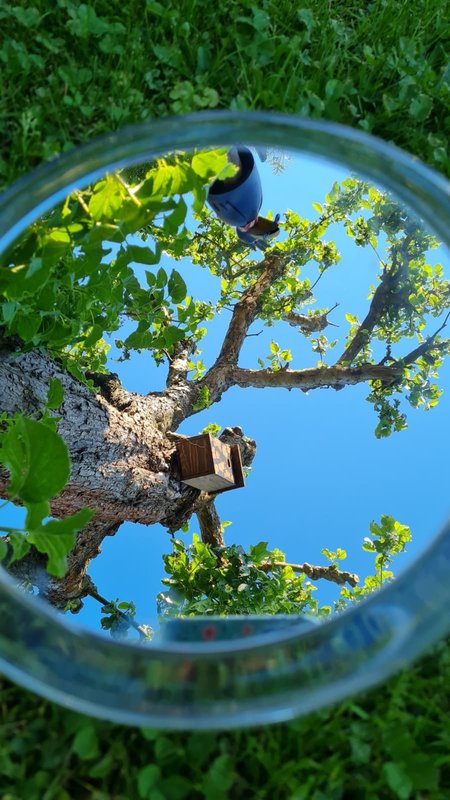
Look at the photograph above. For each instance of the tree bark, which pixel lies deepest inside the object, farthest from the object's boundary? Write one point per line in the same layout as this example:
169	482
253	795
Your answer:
123	464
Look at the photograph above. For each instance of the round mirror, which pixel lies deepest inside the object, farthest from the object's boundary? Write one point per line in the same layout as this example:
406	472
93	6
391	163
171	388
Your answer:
224	349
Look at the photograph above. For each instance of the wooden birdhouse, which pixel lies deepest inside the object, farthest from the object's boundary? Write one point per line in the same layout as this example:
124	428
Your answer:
209	464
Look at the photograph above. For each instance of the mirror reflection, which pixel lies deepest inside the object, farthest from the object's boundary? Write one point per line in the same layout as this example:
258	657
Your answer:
214	371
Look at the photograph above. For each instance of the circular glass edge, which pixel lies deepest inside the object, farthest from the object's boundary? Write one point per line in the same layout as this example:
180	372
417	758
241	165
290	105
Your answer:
273	677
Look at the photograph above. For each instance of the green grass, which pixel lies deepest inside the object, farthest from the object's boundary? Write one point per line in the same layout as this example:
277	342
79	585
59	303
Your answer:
391	743
69	73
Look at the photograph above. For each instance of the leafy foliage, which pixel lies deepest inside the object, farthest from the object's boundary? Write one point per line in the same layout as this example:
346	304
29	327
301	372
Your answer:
410	292
220	581
60	293
233	583
38	463
120	617
66	254
70	280
389	538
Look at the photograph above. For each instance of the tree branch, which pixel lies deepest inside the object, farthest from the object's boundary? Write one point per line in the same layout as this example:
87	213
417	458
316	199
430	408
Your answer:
217	379
423	348
384	295
179	362
111	389
248	307
75	584
330	572
143	630
308	323
380	301
335	377
210	525
228	258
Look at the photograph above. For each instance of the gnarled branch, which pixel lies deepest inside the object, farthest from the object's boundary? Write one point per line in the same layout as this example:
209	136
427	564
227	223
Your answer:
75	584
423	348
335	377
210	525
246	310
385	294
309	323
179	362
329	573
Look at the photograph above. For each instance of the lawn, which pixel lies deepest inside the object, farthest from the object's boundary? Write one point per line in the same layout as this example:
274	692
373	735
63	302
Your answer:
71	71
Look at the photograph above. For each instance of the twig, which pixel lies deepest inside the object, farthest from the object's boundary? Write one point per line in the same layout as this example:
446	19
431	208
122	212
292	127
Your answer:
329	573
142	630
135	200
253	334
424	347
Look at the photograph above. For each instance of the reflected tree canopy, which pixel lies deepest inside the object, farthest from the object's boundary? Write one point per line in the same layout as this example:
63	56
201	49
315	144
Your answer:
79	447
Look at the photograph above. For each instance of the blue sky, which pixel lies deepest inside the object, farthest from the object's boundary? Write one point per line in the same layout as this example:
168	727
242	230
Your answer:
320	476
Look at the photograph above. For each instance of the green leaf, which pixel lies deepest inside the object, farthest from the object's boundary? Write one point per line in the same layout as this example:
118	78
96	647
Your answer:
8	311
161	278
420	107
103	767
93	336
150	734
143	255
166	750
85	744
171	334
259	551
177	788
3	549
36	512
176	218
199	194
397	780
27	326
19	544
210	163
147	779
317	207
177	287
219	778
107	199
203	400
368	545
57	537
212	428
421	770
55	394
37	459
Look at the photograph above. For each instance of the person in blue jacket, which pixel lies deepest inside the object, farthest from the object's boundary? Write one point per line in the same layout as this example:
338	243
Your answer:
237	200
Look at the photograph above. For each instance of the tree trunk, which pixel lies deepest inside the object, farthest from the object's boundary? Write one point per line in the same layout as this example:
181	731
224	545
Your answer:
123	464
